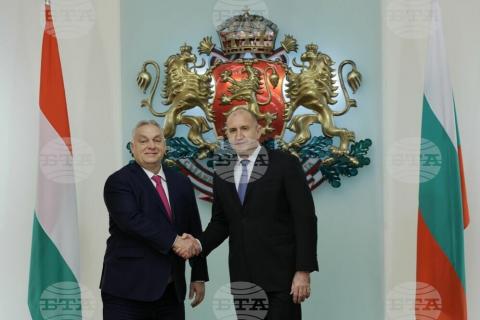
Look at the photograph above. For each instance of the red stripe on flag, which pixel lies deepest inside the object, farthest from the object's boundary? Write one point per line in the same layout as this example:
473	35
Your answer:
434	268
53	103
466	211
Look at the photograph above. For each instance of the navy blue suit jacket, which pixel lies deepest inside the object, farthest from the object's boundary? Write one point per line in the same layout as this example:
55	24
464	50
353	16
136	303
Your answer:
139	260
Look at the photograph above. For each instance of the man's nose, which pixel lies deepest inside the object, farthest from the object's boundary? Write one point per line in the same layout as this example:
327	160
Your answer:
238	135
151	144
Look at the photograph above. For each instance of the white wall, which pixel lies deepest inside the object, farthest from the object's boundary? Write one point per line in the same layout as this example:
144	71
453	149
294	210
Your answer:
403	69
19	109
90	55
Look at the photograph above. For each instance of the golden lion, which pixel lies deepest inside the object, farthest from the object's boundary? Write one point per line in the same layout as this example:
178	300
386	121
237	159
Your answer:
183	90
314	88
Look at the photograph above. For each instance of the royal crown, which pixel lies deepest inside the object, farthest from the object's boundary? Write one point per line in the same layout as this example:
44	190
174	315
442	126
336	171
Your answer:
311	47
185	48
247	33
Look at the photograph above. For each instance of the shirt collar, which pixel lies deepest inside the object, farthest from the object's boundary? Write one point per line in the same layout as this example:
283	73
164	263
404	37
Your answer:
150	174
253	156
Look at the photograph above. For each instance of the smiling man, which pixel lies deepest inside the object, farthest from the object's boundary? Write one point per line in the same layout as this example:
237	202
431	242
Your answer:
263	204
150	207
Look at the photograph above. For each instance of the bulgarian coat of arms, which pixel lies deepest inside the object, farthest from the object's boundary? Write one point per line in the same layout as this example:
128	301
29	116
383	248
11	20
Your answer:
248	71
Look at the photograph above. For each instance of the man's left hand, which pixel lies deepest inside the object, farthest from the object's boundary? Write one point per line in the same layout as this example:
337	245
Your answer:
197	291
300	286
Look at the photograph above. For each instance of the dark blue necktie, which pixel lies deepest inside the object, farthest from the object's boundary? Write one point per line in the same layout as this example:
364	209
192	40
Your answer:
242	186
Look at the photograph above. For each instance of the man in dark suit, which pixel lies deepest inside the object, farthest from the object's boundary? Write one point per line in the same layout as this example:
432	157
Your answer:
149	207
263	204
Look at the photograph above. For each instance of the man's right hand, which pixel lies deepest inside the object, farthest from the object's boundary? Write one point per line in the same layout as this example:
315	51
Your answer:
186	246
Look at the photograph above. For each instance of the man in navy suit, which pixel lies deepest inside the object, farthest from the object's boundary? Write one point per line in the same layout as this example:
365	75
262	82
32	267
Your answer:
263	204
150	207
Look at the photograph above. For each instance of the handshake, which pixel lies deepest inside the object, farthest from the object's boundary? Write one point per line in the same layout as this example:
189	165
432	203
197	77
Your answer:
187	246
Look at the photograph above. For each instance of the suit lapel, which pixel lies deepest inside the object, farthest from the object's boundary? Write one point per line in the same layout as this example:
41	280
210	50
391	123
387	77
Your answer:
150	188
261	161
172	196
258	167
233	190
225	175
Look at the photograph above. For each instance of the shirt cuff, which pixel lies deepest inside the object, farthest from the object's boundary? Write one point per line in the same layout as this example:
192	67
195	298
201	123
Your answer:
175	241
200	244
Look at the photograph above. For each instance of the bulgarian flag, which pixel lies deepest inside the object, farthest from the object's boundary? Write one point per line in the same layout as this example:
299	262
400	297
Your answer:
53	291
443	209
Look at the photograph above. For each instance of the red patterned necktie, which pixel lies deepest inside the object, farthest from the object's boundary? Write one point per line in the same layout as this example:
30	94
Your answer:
163	195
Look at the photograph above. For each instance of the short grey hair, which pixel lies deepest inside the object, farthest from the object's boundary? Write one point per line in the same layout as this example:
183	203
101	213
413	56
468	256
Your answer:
236	109
142	123
240	108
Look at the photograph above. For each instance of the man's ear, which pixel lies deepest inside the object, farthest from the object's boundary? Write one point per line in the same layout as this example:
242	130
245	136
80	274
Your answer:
225	133
259	131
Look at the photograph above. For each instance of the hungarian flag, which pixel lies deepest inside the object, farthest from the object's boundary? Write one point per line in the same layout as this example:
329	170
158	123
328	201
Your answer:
443	209
53	291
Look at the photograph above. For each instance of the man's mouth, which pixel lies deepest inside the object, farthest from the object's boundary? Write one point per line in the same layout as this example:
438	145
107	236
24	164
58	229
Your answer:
238	143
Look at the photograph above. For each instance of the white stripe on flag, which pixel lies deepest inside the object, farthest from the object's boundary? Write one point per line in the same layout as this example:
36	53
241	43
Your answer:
56	203
438	89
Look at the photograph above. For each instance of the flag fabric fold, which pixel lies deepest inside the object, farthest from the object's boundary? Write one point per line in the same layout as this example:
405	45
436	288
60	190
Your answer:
443	209
54	291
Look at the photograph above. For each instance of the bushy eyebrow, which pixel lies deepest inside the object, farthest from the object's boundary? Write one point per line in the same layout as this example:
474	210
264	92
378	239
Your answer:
141	136
241	127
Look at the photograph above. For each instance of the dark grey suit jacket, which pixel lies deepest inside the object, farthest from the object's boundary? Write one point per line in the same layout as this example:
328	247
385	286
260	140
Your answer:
274	233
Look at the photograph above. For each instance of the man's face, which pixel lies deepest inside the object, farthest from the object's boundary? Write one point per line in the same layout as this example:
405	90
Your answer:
148	146
243	132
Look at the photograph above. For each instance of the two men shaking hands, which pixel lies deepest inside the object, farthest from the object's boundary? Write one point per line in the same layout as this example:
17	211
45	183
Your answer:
261	202
187	246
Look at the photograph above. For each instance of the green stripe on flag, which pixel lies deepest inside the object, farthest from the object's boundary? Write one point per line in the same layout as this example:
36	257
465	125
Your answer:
456	123
47	267
440	198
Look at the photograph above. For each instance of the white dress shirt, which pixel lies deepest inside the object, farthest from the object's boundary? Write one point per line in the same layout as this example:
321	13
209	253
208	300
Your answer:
237	170
150	174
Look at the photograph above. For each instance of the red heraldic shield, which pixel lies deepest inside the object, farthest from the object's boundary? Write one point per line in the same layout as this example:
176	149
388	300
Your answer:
257	85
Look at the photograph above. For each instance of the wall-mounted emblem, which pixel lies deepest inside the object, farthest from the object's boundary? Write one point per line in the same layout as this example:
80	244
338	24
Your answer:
248	70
